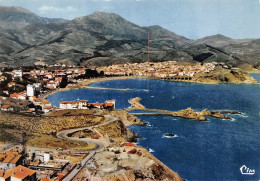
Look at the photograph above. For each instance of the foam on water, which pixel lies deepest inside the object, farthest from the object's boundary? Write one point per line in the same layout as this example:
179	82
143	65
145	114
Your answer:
165	136
151	150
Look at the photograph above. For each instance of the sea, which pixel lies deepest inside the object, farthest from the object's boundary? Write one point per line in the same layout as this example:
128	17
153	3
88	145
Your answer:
214	150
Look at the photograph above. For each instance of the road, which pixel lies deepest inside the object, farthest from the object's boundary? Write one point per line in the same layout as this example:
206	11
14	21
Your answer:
76	170
63	135
99	144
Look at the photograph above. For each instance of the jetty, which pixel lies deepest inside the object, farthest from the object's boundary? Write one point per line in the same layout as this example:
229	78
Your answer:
188	113
103	88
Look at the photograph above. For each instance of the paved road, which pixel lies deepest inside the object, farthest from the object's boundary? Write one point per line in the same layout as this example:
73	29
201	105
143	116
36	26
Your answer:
76	170
99	144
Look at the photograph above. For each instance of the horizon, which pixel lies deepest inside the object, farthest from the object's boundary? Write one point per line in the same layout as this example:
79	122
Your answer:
238	19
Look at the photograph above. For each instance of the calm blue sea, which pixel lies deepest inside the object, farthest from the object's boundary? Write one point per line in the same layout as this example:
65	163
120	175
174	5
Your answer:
212	150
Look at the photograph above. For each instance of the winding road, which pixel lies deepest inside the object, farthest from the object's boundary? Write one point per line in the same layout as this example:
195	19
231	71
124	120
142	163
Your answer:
99	145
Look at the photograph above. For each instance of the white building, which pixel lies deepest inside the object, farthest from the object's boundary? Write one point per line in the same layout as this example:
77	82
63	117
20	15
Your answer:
30	90
18	73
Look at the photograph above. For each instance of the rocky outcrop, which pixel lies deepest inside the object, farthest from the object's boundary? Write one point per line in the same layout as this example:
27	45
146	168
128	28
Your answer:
127	118
221	75
190	114
200	116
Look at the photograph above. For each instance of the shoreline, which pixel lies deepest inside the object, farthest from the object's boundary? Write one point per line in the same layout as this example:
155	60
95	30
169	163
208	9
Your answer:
86	83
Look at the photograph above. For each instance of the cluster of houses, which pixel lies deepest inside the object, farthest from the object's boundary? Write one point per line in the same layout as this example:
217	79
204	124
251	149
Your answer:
84	104
51	78
33	166
11	166
48	79
157	69
29	95
19	173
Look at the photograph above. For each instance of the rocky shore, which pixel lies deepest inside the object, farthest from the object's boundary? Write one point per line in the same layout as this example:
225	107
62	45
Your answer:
122	159
115	161
221	75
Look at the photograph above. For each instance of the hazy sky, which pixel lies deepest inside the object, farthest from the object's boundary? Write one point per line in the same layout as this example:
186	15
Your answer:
191	18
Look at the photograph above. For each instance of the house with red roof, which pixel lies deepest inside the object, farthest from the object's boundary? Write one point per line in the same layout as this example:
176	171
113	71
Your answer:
52	85
20	173
2	78
6	108
11	84
47	109
10	160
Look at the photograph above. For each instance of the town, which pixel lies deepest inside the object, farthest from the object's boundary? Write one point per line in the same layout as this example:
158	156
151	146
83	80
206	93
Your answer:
29	86
23	90
163	70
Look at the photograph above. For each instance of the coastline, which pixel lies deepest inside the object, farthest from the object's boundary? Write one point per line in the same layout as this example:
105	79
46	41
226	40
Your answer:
86	83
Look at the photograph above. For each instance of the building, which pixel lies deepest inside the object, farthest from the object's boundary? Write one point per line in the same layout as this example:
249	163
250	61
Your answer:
110	104
11	84
69	105
18	73
37	87
47	109
20	173
6	92
2	78
30	90
96	105
10	160
84	104
52	85
45	103
20	95
6	108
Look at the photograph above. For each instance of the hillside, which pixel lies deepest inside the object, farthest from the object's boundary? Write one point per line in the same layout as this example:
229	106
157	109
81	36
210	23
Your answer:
104	38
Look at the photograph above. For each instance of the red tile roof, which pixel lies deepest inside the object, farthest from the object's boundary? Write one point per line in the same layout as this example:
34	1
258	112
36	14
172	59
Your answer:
2	173
5	106
45	101
19	172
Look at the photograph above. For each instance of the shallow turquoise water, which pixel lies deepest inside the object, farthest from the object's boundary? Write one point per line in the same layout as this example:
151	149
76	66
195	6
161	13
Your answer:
213	150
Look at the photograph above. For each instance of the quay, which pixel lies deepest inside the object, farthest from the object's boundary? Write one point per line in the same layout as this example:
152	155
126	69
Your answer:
150	114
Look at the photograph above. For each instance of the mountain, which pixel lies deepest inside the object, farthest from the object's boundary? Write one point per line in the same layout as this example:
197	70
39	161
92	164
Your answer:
106	38
17	17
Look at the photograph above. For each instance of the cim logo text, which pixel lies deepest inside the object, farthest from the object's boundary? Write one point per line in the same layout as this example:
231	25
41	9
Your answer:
246	171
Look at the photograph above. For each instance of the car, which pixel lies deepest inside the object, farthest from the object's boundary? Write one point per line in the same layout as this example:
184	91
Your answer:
78	165
59	149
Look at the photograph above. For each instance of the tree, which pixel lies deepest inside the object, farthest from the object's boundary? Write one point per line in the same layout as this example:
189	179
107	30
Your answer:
64	82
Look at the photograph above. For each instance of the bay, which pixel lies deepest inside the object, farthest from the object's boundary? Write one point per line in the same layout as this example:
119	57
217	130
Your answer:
212	150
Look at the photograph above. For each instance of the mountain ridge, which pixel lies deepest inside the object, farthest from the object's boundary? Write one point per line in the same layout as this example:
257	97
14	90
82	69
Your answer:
109	35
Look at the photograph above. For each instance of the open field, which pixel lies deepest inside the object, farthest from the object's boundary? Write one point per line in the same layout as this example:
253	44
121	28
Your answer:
49	141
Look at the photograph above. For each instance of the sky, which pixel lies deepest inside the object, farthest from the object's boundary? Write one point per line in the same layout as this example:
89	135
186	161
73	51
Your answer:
193	19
